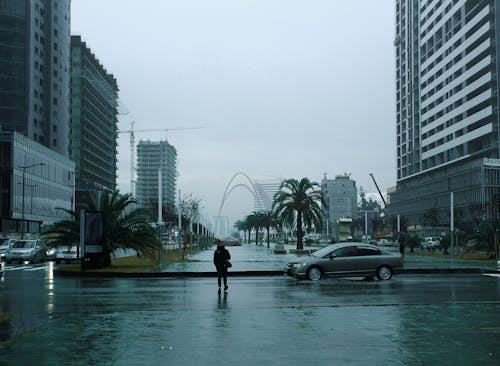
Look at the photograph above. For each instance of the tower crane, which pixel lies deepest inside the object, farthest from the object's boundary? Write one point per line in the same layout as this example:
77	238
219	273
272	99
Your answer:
378	189
131	133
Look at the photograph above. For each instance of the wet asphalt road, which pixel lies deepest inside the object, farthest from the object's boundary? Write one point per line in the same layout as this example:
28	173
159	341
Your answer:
409	320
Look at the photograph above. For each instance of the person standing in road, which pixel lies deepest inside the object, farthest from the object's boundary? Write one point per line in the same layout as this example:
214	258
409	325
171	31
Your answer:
221	261
402	244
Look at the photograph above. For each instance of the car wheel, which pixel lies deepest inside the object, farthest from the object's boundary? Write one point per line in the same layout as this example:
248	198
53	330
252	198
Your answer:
314	273
384	273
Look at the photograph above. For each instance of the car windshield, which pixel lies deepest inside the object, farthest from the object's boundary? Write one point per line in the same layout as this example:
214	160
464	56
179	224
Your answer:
24	244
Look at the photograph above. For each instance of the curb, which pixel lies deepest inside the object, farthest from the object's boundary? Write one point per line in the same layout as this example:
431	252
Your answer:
409	271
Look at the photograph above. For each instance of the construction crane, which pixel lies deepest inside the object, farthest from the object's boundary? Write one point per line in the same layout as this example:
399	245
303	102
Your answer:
378	189
131	133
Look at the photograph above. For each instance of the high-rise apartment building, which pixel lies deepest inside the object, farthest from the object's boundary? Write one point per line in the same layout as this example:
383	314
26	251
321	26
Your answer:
34	70
447	119
156	173
94	119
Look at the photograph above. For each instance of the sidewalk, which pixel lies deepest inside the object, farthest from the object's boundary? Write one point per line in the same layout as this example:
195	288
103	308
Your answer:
253	259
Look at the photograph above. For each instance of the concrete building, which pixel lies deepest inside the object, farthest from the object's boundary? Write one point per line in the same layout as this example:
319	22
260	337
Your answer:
156	162
447	121
94	119
34	183
341	199
34	70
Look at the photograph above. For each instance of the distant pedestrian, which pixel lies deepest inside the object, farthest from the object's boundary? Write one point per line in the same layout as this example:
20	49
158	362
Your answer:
402	244
221	261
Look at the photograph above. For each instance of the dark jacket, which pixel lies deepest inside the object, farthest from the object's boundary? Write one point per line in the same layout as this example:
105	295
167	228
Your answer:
402	241
220	256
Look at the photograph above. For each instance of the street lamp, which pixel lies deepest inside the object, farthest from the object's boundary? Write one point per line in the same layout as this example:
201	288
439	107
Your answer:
24	183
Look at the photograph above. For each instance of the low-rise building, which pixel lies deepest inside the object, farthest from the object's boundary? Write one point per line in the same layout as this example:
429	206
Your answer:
36	184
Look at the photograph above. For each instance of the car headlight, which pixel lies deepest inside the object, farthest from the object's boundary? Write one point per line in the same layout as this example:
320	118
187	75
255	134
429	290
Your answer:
296	265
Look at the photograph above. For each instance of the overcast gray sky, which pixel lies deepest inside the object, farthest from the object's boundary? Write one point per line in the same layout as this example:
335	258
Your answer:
283	88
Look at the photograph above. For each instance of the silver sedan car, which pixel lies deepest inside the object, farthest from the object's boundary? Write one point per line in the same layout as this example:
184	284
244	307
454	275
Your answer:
26	250
346	259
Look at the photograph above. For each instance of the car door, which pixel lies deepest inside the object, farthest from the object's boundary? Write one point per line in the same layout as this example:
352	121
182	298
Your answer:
367	259
341	260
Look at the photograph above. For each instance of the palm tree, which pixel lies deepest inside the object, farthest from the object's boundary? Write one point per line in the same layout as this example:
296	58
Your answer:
241	226
268	221
254	220
124	227
249	222
299	203
247	227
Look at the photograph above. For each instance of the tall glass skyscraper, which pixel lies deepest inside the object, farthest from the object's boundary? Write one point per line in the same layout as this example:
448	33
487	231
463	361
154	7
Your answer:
34	70
447	122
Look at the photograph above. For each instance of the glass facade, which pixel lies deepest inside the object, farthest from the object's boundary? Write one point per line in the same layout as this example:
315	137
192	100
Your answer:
38	180
13	58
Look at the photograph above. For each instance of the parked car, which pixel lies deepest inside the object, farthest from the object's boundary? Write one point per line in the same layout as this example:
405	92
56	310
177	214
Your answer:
50	253
345	259
431	243
26	250
383	243
67	253
5	243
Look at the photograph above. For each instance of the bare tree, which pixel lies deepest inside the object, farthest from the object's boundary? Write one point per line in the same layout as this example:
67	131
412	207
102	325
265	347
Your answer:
189	208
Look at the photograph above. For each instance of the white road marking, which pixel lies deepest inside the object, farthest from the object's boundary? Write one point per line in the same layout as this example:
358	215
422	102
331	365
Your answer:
16	268
493	274
36	268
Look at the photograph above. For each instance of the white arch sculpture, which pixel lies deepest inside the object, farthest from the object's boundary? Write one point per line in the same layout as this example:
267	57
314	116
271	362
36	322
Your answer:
227	190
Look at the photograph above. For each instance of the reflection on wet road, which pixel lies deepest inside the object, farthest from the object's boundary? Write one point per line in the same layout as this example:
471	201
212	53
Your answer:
410	320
